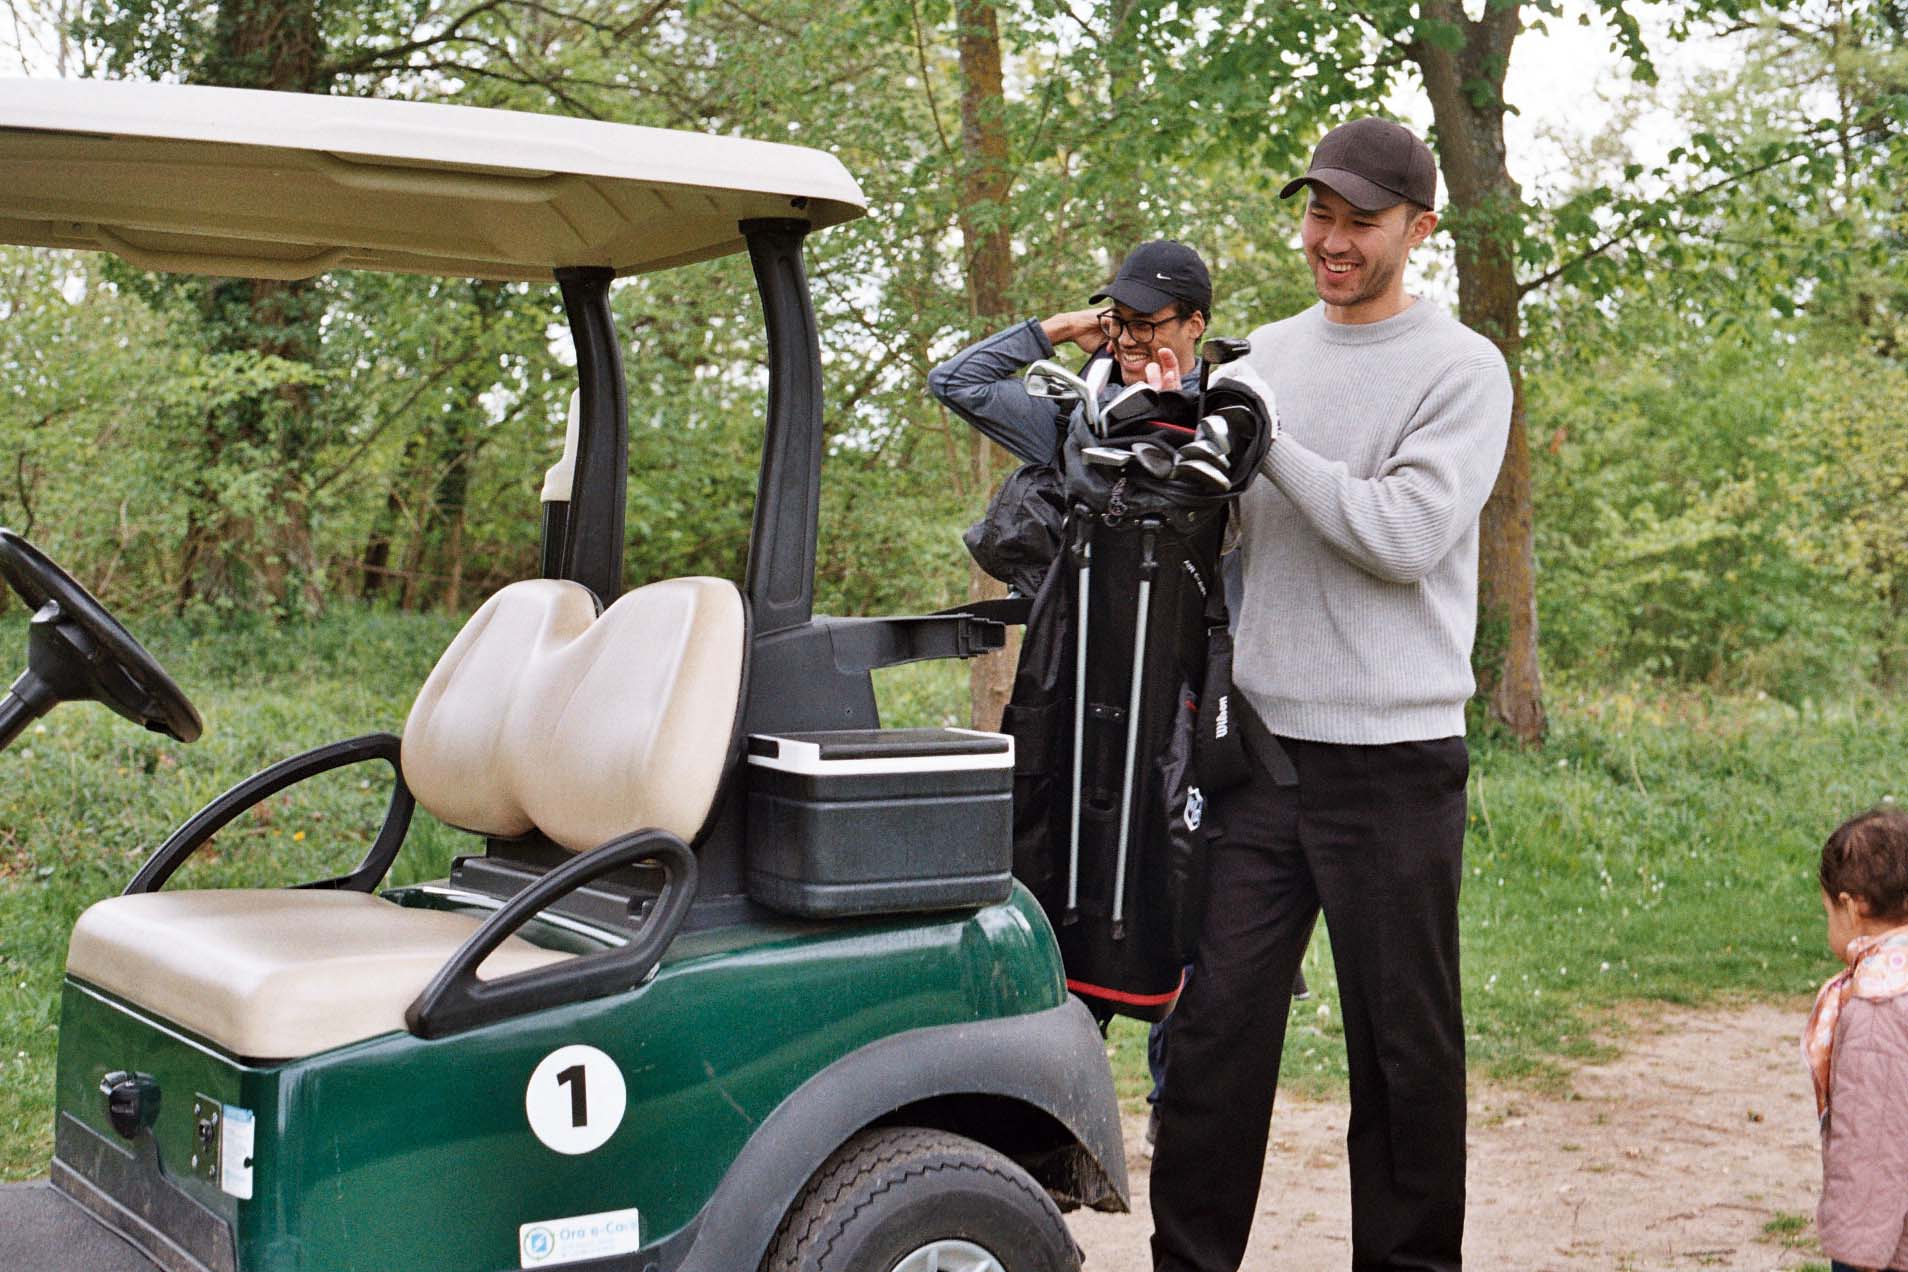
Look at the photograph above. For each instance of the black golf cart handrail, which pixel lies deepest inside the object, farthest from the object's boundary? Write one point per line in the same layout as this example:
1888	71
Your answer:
456	1000
261	786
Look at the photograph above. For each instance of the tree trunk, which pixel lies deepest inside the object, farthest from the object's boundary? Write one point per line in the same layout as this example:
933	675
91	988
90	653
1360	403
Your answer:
988	247
1486	219
375	564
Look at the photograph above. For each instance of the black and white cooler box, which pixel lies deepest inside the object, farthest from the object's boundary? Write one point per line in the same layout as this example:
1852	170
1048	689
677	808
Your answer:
879	821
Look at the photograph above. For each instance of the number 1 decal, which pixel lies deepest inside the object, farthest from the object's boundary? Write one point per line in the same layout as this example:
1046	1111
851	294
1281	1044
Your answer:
575	1099
577	1078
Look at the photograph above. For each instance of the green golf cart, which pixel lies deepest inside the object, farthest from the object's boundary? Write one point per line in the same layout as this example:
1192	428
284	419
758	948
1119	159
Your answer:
730	976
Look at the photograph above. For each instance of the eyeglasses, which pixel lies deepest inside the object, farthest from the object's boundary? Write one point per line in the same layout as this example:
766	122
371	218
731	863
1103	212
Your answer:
1141	330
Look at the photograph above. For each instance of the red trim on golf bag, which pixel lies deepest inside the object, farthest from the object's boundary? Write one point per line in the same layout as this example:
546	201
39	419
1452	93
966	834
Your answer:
1131	1000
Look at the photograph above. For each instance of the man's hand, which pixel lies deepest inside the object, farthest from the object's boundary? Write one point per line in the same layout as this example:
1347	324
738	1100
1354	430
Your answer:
1164	374
1081	326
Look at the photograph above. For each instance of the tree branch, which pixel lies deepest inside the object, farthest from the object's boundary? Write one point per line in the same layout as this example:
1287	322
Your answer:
1643	217
382	57
927	79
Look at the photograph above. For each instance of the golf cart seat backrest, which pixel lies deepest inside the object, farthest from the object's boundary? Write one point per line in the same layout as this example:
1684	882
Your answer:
543	715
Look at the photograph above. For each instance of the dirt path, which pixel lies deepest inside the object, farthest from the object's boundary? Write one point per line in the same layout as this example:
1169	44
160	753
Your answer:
1678	1154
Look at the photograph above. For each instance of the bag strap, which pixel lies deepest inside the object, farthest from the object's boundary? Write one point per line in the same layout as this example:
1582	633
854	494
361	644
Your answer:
1263	745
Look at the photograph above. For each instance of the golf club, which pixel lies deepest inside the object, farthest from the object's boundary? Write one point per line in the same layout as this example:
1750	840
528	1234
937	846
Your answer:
1202	449
1216	431
1223	349
1156	459
1107	456
1203	473
1217	352
1048	379
1098	372
1137	403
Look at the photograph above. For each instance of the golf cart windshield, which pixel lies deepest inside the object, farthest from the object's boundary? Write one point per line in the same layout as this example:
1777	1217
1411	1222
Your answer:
278	185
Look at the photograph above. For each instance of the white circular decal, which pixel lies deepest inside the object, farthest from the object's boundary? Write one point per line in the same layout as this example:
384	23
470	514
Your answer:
575	1099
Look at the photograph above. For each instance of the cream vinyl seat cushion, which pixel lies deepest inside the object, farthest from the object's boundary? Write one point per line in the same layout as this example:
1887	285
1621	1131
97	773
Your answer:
541	715
274	973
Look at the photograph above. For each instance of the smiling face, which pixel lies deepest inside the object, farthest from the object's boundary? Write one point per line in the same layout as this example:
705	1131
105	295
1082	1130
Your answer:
1357	257
1181	335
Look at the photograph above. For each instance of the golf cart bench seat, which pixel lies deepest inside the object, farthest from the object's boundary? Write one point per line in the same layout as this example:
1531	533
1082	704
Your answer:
275	973
541	715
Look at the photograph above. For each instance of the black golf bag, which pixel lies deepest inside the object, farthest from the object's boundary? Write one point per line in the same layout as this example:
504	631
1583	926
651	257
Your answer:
1109	832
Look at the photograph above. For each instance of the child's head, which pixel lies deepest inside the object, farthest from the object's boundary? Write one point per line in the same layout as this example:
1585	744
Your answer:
1864	875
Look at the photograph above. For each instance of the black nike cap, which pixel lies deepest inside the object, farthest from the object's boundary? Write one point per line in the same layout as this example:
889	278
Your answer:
1372	164
1156	274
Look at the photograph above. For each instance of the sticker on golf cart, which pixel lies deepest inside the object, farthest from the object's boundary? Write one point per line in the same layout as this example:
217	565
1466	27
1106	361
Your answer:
553	1241
237	1135
575	1100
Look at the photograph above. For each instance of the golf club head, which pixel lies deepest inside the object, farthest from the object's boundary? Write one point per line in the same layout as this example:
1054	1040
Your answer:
1138	402
1107	456
1048	379
1223	349
1200	473
1157	460
1096	382
1098	372
1204	451
1216	432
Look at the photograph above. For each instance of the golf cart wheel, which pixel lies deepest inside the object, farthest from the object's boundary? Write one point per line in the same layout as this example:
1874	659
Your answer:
909	1200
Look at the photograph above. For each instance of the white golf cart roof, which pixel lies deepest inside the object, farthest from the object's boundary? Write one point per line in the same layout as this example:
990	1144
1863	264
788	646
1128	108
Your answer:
282	185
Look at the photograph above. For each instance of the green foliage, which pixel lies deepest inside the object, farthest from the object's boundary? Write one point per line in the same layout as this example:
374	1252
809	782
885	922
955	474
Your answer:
1667	534
1846	473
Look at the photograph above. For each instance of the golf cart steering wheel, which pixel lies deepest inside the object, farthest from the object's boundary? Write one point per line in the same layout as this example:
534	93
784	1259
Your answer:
76	651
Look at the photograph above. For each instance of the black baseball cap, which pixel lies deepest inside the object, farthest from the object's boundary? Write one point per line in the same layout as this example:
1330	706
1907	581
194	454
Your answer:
1372	164
1156	274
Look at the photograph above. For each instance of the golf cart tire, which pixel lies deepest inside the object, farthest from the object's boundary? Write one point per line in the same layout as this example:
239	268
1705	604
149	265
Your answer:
889	1192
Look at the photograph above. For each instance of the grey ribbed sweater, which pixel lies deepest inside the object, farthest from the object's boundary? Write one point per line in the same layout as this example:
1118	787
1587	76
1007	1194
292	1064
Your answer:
1361	546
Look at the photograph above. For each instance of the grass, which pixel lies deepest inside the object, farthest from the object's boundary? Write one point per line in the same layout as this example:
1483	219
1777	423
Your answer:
1790	1230
1660	848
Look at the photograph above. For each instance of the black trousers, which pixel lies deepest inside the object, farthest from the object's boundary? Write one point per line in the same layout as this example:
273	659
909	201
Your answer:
1373	836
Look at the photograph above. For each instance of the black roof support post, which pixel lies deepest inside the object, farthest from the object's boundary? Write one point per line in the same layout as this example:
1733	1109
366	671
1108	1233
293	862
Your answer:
781	576
592	551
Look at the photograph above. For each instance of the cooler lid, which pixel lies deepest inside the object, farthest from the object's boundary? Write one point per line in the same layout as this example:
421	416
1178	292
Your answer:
843	752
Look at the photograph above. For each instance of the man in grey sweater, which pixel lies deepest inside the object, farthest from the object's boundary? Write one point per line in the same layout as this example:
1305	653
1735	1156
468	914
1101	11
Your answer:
1353	650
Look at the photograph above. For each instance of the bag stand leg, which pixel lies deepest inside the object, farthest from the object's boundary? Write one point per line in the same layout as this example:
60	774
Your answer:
1149	566
1083	555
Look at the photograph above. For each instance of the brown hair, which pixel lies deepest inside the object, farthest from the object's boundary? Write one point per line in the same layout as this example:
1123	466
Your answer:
1867	857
